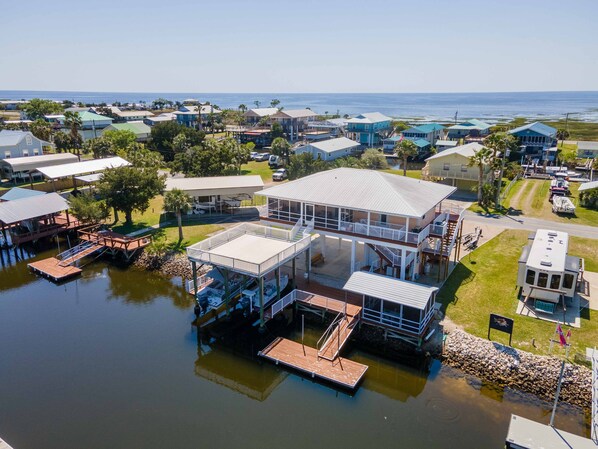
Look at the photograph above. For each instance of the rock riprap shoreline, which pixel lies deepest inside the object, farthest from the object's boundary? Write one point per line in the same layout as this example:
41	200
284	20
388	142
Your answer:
517	369
169	264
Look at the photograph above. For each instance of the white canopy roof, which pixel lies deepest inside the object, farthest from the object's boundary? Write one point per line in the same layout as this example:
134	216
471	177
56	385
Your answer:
366	190
588	186
82	168
332	145
34	162
27	208
215	183
390	289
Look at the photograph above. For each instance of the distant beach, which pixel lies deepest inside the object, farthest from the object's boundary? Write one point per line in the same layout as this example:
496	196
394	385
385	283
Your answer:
492	107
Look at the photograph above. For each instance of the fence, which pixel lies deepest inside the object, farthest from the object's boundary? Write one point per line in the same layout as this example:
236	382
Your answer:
509	187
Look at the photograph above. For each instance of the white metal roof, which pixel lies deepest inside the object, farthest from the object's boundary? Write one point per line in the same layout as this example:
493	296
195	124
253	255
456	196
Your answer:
262	112
467	150
89	179
27	208
390	289
548	251
332	145
367	190
295	113
588	186
133	113
215	182
587	145
447	143
33	162
82	168
18	193
369	117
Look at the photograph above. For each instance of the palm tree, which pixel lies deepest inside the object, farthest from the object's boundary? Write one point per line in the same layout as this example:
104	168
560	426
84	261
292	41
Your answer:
405	149
177	202
281	147
72	120
242	108
499	143
481	159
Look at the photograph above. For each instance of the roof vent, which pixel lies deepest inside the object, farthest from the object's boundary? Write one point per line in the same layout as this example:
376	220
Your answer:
552	233
546	262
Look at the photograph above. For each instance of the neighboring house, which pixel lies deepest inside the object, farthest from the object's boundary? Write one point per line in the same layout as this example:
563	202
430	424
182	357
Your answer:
20	144
326	129
394	221
164	117
424	136
329	150
442	145
25	168
452	167
92	124
253	116
187	115
141	130
369	129
18	193
535	139
260	137
293	121
471	128
98	109
132	116
79	109
12	105
587	149
388	145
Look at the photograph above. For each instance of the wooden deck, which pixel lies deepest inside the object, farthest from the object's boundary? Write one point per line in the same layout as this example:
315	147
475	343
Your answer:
343	372
331	305
52	268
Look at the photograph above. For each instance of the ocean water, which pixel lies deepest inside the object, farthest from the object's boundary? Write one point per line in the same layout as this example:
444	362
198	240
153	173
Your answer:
434	106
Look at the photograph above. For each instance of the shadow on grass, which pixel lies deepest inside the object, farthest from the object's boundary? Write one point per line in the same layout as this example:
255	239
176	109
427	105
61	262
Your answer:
126	229
461	275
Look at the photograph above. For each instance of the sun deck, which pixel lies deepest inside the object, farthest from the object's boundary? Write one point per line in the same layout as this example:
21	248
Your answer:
250	249
305	359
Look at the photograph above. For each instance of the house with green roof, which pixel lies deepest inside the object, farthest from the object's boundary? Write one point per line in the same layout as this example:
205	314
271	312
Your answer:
92	124
473	128
535	139
141	130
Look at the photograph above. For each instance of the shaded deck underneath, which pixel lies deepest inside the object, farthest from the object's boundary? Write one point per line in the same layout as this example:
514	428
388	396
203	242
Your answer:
343	372
52	268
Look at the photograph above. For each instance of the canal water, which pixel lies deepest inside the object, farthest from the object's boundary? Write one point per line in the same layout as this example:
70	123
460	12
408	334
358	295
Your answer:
111	360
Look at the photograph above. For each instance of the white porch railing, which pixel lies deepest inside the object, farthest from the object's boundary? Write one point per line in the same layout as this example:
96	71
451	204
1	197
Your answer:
398	322
389	232
295	229
202	281
287	300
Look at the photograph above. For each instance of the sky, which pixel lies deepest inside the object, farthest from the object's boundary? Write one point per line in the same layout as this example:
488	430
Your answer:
299	46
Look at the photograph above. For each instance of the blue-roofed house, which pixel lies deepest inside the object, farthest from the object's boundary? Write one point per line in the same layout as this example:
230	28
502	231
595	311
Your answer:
20	144
424	136
188	114
369	129
17	193
470	128
388	144
535	139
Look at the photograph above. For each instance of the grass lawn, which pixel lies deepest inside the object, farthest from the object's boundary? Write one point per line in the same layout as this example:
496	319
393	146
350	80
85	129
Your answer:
578	130
258	168
192	233
485	282
416	174
150	217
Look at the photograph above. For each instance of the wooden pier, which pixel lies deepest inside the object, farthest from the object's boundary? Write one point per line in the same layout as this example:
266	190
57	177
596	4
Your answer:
51	268
305	359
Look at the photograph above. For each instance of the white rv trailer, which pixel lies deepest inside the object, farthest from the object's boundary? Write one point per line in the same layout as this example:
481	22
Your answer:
547	274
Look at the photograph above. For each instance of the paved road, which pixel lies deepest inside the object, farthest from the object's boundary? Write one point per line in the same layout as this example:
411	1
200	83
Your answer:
532	224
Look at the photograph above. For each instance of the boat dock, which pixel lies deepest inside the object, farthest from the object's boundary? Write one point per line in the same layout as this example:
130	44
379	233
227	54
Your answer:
527	434
51	268
305	359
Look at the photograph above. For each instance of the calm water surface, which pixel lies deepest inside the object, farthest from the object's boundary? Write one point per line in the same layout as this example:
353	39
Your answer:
111	360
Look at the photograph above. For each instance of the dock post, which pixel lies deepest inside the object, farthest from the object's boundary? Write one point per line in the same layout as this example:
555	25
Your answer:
194	268
277	274
226	292
294	284
307	263
261	287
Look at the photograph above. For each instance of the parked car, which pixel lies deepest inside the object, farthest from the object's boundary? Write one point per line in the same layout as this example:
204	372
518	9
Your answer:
253	155
262	157
274	161
280	174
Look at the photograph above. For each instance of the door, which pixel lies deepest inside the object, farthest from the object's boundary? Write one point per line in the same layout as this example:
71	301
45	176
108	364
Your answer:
308	212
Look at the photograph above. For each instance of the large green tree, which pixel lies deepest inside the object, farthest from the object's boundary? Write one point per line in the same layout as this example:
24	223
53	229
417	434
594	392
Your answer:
72	120
404	150
373	160
99	147
304	164
163	135
281	147
177	202
120	139
36	108
129	188
87	209
210	158
42	129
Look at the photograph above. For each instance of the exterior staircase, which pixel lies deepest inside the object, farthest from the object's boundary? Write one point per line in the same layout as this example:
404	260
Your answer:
78	252
390	255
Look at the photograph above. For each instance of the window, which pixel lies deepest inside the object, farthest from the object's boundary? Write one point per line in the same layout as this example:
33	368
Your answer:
35	152
464	168
7	155
25	153
28	139
446	166
542	280
530	277
555	281
568	281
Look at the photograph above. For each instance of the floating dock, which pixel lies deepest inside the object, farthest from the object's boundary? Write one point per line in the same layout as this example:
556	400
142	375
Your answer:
305	359
527	434
51	268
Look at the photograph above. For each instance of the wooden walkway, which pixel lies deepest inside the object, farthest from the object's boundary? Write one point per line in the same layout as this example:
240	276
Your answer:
305	359
337	339
331	305
52	268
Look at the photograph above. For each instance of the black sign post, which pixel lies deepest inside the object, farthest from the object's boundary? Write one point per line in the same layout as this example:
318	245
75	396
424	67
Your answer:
501	323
